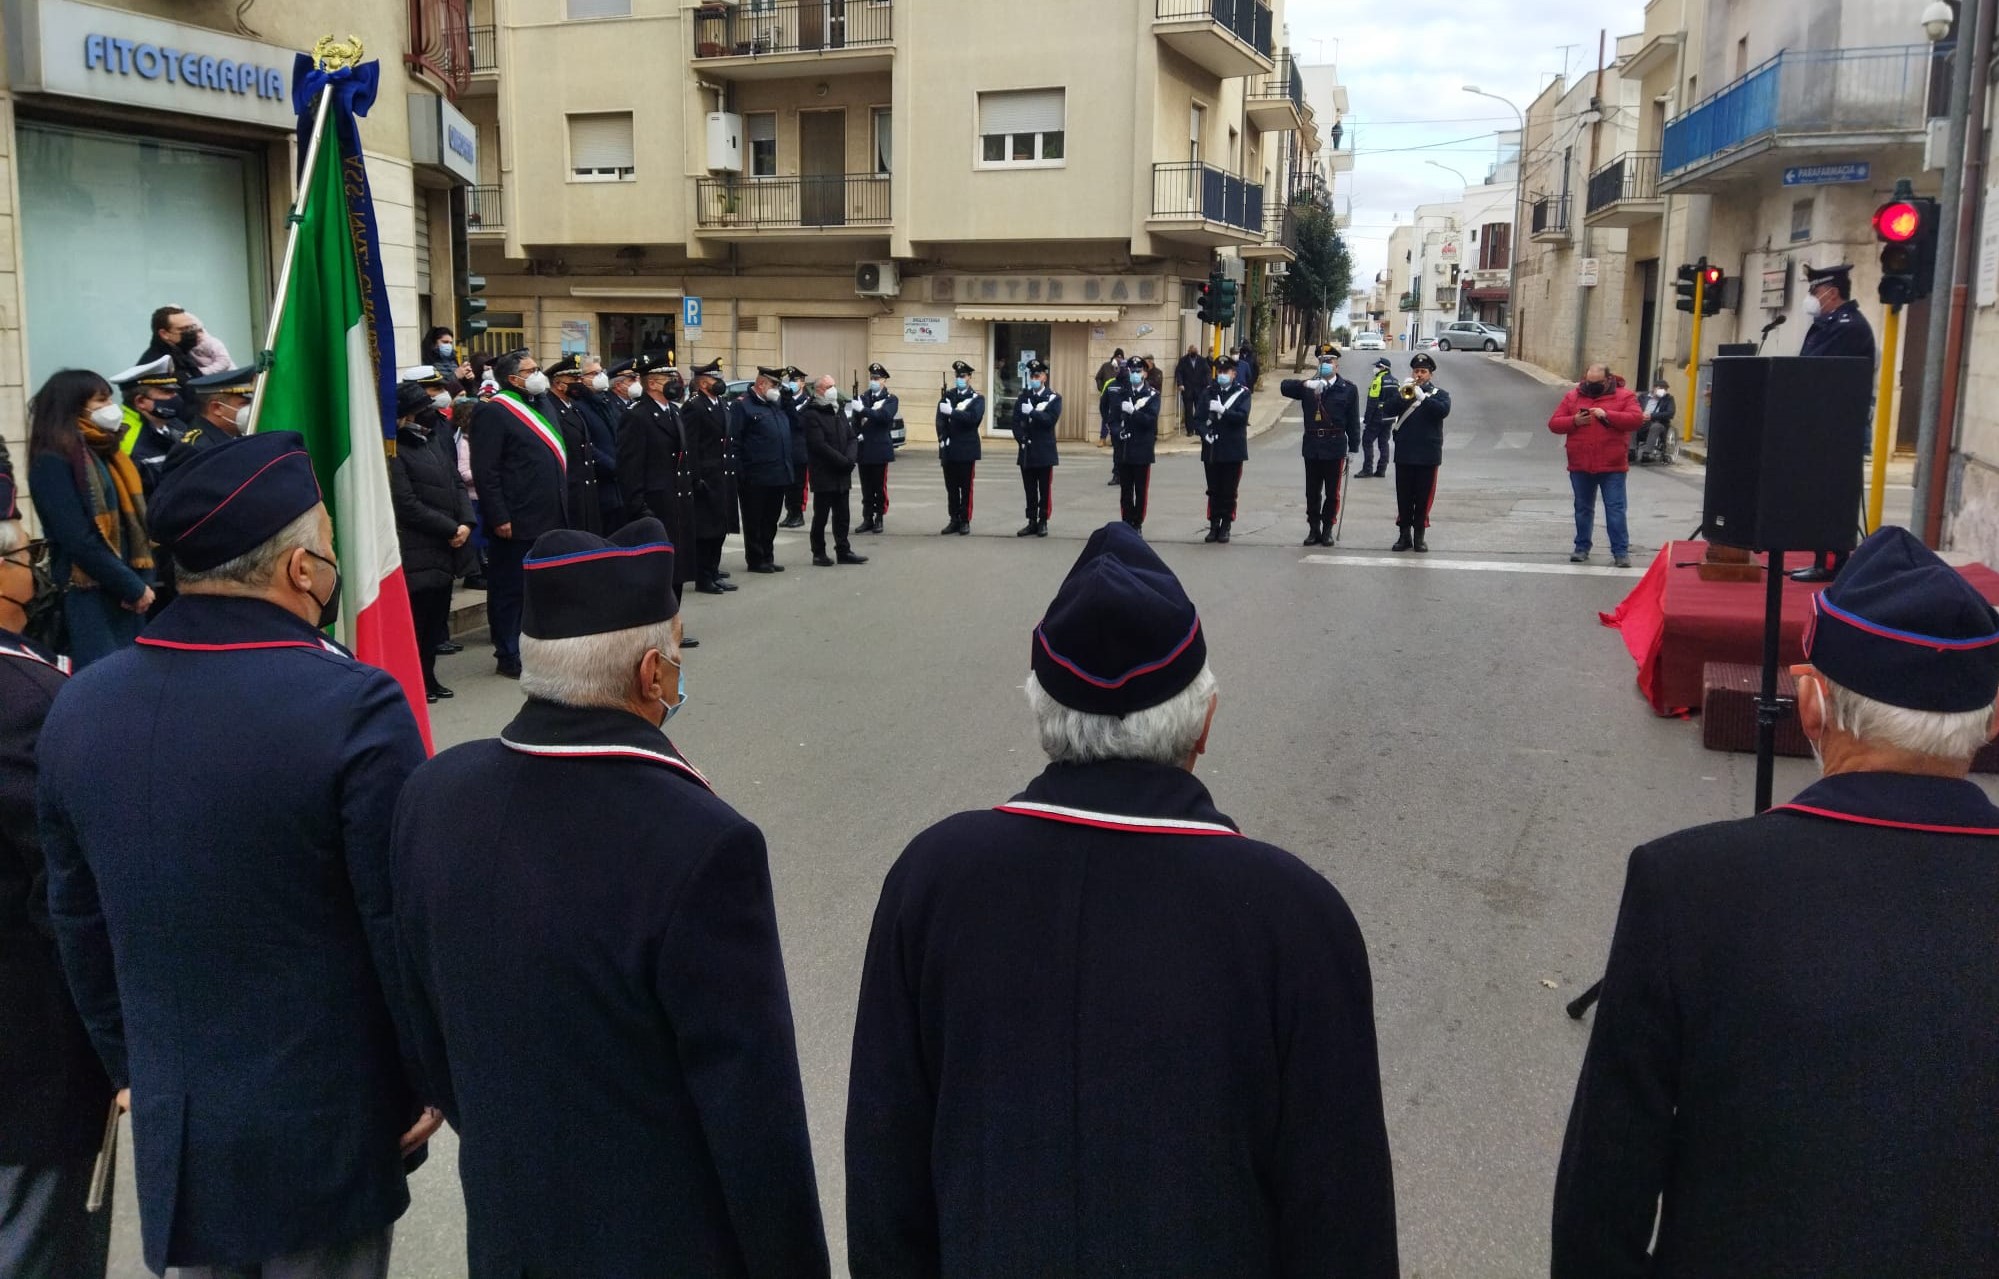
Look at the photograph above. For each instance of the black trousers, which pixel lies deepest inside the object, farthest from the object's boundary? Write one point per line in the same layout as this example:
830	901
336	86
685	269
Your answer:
794	497
958	489
44	1231
1415	494
1372	435
1134	488
1039	484
874	490
708	558
430	609
834	505
1224	481
505	586
762	505
1322	489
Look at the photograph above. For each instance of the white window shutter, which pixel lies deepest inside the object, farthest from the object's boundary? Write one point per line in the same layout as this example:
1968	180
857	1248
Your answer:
601	141
600	8
1021	111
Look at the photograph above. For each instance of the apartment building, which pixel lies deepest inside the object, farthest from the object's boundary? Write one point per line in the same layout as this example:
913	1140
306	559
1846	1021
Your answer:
831	182
150	156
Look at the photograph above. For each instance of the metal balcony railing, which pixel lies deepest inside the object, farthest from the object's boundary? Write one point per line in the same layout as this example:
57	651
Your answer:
1248	20
1282	82
1631	176
483	211
1550	215
439	40
485	49
1806	92
751	28
1201	191
1280	226
850	199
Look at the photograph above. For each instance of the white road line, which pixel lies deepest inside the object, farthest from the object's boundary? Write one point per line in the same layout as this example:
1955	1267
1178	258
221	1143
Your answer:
1474	566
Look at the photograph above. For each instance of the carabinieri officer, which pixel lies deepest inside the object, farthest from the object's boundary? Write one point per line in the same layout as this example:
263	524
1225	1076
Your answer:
1035	415
1224	446
960	413
1136	429
875	412
1419	451
1331	407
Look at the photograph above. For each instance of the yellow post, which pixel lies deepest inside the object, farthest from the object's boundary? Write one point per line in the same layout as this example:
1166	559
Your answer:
1694	360
1884	410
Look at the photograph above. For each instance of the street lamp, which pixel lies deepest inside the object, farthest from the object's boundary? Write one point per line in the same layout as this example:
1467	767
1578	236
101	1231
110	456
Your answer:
1448	169
1519	223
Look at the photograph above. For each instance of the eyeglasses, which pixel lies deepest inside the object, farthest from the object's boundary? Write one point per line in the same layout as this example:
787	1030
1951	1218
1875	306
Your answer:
34	550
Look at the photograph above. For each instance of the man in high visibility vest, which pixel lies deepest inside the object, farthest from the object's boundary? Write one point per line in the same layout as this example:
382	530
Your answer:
1383	407
152	408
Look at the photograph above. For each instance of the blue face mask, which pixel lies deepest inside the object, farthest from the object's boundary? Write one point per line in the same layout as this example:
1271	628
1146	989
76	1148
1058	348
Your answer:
789	385
680	695
1035	384
1223	379
874	385
961	384
1325	369
1138	379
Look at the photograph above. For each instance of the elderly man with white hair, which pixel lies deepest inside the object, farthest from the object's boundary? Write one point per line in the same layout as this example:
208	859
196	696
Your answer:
1795	1064
604	1014
1100	1031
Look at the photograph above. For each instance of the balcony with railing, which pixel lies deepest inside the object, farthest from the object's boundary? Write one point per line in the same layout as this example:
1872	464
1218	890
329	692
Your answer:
810	206
1275	103
484	211
771	39
1625	192
439	44
1202	204
1804	107
484	43
1548	219
1280	236
1227	38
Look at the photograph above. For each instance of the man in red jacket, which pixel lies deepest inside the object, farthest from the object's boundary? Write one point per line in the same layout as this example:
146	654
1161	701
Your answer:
1598	416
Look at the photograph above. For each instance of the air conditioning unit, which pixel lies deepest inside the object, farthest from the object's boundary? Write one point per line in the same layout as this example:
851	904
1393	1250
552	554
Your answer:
877	279
725	142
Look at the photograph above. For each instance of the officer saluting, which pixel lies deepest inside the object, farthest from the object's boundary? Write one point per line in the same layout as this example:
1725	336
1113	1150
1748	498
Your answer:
1419	451
1136	430
1224	446
1838	330
1035	415
656	471
1331	407
875	411
960	413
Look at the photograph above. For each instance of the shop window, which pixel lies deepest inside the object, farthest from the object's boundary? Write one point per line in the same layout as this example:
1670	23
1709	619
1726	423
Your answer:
761	128
1021	128
1013	346
883	151
1801	221
600	147
627	336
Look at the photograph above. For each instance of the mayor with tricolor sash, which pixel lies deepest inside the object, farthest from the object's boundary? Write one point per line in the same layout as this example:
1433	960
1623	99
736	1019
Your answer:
522	474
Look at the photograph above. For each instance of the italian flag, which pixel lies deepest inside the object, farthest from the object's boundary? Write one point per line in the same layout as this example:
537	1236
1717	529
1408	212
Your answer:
325	382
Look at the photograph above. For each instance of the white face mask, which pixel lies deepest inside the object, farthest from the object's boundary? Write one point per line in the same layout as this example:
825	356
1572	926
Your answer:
633	390
600	381
106	417
772	395
536	383
442	400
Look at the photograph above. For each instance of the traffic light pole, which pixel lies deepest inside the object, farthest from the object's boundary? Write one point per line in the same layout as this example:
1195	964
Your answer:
1694	357
1884	406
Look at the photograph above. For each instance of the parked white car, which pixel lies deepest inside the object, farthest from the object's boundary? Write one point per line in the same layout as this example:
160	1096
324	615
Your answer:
1369	341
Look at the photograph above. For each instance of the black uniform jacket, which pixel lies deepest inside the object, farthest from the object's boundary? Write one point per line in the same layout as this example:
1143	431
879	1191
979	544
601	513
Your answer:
656	475
1842	331
706	421
53	1092
593	937
960	414
1797	1047
832	449
875	422
520	467
603	411
224	918
585	511
1331	413
1101	1033
1035	417
1419	441
1136	432
1224	415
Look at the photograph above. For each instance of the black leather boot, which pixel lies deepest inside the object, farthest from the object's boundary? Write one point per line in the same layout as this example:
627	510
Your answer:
1403	542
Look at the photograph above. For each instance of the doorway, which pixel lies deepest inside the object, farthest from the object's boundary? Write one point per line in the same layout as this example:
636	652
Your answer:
822	167
838	347
1648	322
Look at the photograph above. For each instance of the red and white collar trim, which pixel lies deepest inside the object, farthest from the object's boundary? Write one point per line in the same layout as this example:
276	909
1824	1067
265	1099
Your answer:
191	647
1115	821
606	751
61	663
1932	828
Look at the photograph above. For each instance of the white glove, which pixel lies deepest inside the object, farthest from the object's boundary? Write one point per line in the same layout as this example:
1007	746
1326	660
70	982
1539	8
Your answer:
943	406
853	408
1214	406
1126	406
1315	385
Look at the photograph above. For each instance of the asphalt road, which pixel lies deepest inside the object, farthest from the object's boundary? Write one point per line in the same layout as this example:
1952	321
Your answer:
1453	740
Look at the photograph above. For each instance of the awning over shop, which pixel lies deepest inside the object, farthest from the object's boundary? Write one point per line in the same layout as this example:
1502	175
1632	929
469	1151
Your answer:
1043	314
1496	294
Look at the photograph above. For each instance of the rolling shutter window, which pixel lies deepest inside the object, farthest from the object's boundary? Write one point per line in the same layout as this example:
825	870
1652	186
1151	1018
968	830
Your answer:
422	241
600	146
1021	111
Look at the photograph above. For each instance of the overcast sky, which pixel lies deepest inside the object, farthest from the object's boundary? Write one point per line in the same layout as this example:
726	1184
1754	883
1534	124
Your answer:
1404	64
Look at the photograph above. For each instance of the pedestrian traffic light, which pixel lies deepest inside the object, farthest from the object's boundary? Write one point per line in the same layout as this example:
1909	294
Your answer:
472	308
1712	278
1225	300
1683	288
1907	229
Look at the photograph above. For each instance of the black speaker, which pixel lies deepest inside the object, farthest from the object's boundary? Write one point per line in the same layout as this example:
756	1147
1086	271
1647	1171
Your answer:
1787	436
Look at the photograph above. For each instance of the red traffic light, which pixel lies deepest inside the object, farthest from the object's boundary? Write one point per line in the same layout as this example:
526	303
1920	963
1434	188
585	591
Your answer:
1898	221
1710	276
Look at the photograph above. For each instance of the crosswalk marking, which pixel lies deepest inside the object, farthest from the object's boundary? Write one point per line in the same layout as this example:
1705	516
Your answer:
1474	566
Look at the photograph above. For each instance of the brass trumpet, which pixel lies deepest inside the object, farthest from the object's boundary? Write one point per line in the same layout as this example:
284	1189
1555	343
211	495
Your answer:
1412	392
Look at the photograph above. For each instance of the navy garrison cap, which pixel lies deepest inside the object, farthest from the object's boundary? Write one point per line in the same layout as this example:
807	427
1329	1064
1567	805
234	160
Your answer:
1901	626
231	498
1120	635
582	584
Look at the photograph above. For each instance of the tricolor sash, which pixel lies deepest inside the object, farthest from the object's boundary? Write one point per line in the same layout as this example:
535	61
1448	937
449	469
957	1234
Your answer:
534	422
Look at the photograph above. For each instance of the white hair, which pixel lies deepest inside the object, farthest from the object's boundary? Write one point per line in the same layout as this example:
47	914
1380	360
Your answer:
13	536
255	566
1162	734
591	670
1953	735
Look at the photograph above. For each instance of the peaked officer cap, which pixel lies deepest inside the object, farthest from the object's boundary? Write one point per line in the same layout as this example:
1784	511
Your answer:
1901	626
795	373
1423	360
1121	635
648	365
877	370
961	368
1383	363
1225	363
241	381
712	368
1037	366
567	364
1136	364
158	372
765	370
423	374
1817	275
578	583
622	367
1328	351
231	498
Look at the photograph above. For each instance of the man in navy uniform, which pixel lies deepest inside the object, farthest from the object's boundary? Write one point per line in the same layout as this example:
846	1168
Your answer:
1224	445
1035	416
762	431
656	470
875	411
794	394
222	410
564	407
706	420
961	412
1137	433
1838	331
152	411
1331	408
1384	405
603	1001
520	465
1419	452
1101	1032
1795	1063
232	948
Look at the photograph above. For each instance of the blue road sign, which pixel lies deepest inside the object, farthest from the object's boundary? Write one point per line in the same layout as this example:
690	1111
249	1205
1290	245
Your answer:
690	310
1806	175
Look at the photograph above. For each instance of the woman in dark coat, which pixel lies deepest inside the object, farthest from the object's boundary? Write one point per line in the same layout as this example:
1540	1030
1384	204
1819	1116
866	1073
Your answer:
93	510
433	520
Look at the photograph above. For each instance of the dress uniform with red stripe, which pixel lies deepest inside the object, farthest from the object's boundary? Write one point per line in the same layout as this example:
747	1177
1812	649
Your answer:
1035	416
1419	453
1100	1031
1224	445
1795	1064
1330	407
604	1006
1136	430
875	412
961	412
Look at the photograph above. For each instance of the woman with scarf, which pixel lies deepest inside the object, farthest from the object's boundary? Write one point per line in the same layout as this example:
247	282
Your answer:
433	518
93	511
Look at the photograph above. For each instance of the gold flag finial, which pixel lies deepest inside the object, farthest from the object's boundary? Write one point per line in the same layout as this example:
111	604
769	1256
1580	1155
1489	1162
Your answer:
334	55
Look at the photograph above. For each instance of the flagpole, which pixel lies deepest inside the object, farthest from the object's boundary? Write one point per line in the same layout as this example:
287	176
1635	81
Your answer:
292	221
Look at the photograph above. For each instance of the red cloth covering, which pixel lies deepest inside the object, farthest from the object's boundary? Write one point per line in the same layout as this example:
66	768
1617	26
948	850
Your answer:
1674	623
